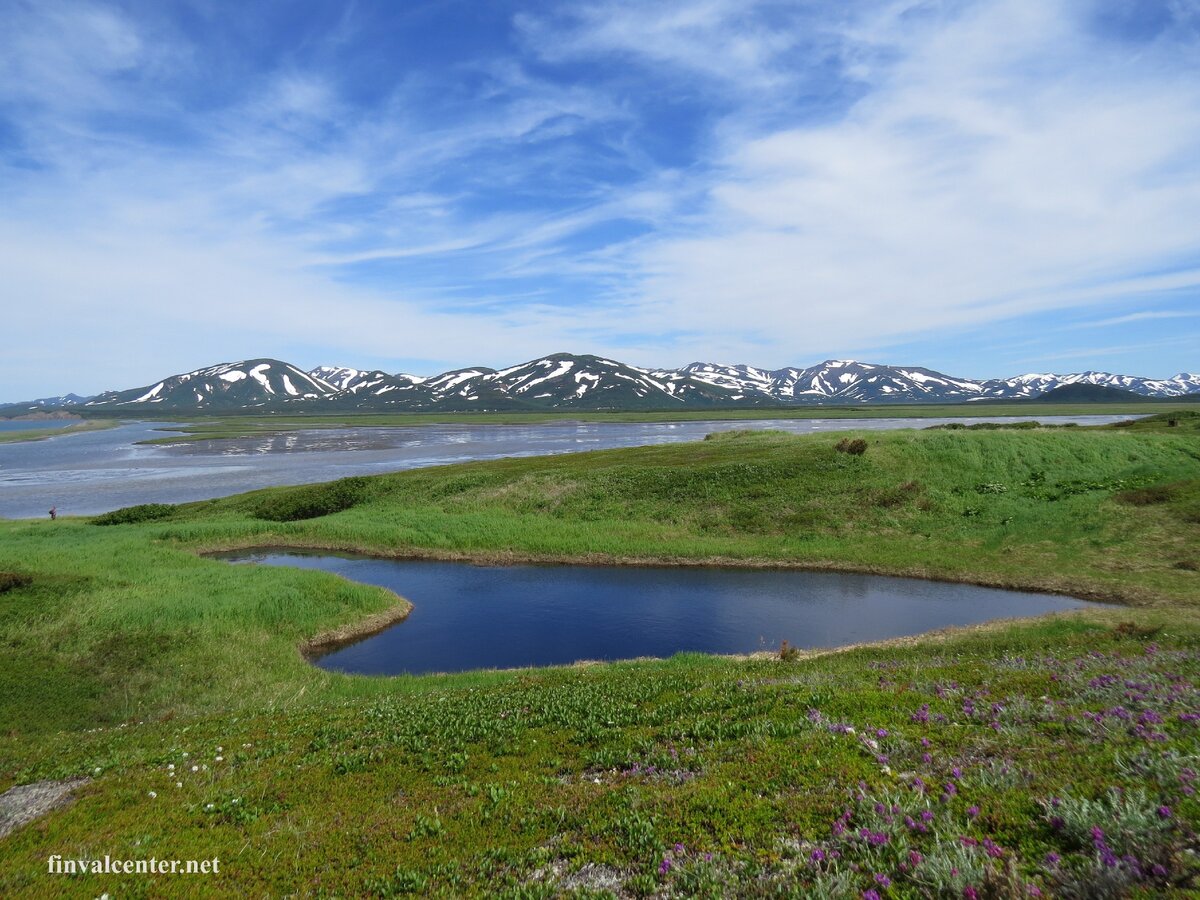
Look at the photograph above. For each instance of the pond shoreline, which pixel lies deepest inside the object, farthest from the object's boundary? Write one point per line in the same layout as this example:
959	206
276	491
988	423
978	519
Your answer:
341	637
607	560
328	641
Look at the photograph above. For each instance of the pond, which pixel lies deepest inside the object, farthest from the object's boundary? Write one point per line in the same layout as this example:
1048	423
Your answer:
480	617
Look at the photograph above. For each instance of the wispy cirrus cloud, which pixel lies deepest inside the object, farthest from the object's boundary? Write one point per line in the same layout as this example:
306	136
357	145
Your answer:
1148	316
1005	160
765	181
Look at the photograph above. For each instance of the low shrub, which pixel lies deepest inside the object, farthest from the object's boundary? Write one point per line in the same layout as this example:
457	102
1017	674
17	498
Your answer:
312	501
12	580
128	515
1148	496
897	496
855	447
1135	631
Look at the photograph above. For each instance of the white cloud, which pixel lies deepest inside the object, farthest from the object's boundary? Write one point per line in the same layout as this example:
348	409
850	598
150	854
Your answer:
973	162
1004	163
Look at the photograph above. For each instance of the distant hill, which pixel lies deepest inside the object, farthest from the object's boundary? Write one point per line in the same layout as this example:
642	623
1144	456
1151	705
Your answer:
565	381
1089	393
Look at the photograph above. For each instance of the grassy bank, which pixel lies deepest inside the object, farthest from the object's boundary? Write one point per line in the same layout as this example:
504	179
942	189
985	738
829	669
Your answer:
243	425
40	434
697	776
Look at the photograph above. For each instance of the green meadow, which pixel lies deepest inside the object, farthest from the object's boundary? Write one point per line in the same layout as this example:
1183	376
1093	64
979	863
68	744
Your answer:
1054	756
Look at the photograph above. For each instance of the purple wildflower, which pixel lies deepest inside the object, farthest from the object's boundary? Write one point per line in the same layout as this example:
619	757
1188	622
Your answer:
882	880
972	811
1164	812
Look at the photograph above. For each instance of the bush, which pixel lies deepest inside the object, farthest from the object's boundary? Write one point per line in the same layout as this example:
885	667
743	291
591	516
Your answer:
12	580
855	447
1148	496
313	501
145	512
1135	631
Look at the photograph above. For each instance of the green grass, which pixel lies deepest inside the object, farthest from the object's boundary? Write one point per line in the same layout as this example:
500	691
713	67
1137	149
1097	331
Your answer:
220	427
510	782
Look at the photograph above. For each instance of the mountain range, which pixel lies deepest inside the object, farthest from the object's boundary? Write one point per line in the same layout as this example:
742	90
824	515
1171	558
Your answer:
565	381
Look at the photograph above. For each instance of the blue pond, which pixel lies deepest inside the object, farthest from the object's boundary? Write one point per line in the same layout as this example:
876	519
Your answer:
480	617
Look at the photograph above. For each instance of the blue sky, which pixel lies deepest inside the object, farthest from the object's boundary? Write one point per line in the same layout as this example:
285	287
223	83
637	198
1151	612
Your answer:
985	188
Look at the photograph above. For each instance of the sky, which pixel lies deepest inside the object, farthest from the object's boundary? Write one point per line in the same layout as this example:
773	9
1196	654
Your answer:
983	187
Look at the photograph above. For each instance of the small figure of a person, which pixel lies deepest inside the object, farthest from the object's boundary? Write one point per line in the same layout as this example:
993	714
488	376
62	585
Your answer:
53	513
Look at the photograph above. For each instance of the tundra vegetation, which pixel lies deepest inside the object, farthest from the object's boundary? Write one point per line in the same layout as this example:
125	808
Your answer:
1057	756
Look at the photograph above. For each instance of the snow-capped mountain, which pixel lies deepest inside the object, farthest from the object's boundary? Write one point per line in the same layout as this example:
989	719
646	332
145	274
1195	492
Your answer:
48	404
559	381
736	379
592	382
250	383
577	382
1033	384
847	380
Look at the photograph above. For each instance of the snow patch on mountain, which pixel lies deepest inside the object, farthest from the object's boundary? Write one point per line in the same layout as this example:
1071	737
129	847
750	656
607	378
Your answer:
568	381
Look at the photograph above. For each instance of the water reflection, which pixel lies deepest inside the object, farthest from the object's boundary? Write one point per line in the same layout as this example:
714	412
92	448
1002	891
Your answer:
469	617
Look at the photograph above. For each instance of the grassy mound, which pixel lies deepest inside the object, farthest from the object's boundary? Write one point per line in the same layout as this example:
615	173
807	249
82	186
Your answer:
129	515
310	501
